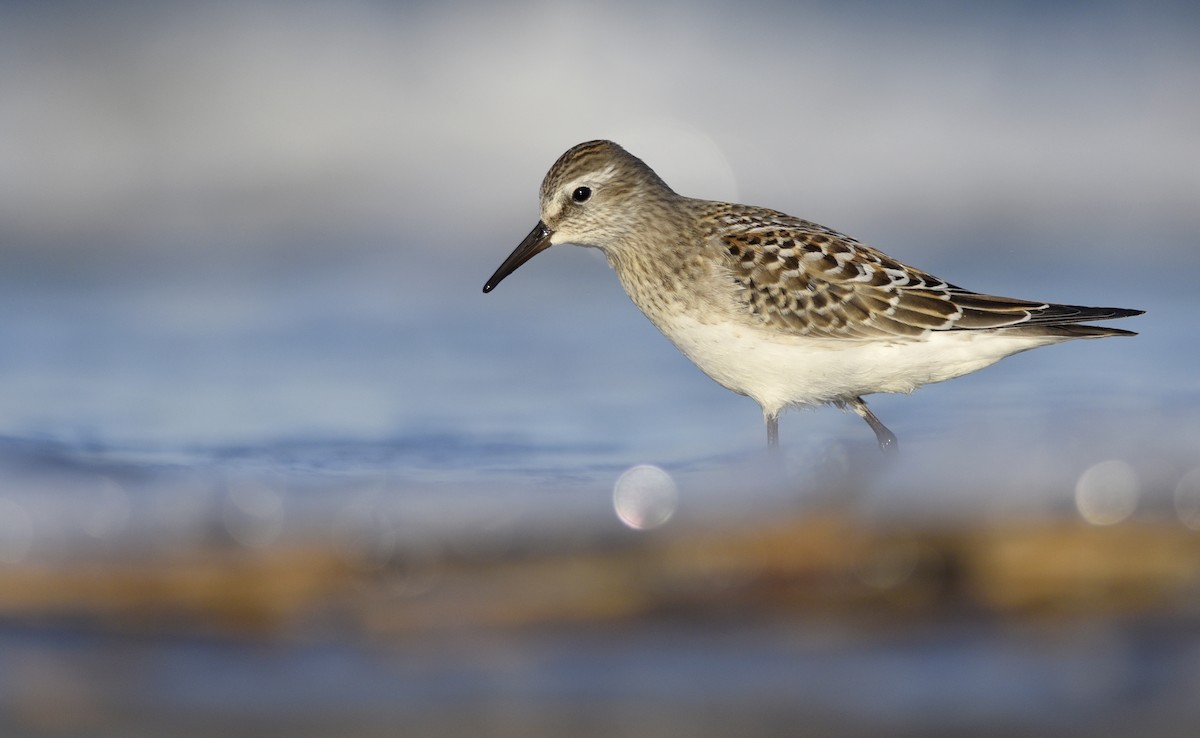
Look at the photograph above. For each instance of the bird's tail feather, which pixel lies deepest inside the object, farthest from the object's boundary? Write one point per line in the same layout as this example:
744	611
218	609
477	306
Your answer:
1068	330
1057	315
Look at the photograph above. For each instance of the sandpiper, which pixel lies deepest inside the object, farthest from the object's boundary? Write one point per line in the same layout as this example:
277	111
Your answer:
779	309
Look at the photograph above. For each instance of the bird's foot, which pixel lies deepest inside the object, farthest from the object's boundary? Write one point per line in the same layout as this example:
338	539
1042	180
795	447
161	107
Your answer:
888	443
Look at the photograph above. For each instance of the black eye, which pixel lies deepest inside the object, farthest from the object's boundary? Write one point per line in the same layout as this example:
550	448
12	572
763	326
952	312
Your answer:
581	194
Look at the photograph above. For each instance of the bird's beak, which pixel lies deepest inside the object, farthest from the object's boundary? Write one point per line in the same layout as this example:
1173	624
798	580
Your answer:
537	241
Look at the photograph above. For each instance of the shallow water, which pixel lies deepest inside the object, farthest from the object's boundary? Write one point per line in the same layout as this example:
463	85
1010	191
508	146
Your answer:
773	679
374	374
313	405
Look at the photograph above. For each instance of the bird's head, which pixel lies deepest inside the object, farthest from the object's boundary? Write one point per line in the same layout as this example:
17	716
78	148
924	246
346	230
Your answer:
596	194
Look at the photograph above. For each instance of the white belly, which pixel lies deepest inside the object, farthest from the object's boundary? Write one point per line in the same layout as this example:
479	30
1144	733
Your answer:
778	370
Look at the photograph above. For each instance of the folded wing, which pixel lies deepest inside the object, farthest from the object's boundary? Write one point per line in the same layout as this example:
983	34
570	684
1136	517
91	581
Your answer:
813	281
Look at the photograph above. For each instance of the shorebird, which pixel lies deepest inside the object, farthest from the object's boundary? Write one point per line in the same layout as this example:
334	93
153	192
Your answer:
780	309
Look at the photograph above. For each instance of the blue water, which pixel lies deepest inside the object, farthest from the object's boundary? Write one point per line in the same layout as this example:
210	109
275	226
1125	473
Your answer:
390	403
400	369
775	679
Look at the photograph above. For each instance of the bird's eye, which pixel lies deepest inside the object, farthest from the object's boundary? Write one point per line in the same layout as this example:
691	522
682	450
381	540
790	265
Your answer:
581	194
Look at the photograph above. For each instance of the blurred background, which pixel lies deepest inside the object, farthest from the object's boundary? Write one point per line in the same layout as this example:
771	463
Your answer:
272	464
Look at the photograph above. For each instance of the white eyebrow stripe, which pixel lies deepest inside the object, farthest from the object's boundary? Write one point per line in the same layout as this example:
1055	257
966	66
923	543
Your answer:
592	179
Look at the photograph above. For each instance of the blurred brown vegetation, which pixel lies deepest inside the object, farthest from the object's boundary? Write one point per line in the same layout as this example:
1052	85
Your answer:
784	568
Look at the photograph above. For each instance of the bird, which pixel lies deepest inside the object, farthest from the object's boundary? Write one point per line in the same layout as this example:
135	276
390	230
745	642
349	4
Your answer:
777	308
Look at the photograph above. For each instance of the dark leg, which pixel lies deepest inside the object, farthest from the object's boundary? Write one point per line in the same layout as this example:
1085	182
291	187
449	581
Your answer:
772	431
887	439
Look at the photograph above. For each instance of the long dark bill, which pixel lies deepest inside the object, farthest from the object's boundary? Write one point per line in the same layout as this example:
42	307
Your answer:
536	242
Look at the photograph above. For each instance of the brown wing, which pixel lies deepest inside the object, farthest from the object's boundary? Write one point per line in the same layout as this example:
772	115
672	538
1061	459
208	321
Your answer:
814	281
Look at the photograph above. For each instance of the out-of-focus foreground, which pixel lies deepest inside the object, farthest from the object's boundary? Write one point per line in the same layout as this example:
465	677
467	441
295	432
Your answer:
812	622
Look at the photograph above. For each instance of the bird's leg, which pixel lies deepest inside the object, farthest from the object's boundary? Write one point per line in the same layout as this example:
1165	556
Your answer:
887	439
772	431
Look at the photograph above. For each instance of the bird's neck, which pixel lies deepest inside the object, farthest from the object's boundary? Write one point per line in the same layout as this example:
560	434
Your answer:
659	268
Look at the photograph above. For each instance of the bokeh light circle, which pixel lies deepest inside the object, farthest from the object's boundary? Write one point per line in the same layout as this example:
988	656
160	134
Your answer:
645	497
1107	493
1187	499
